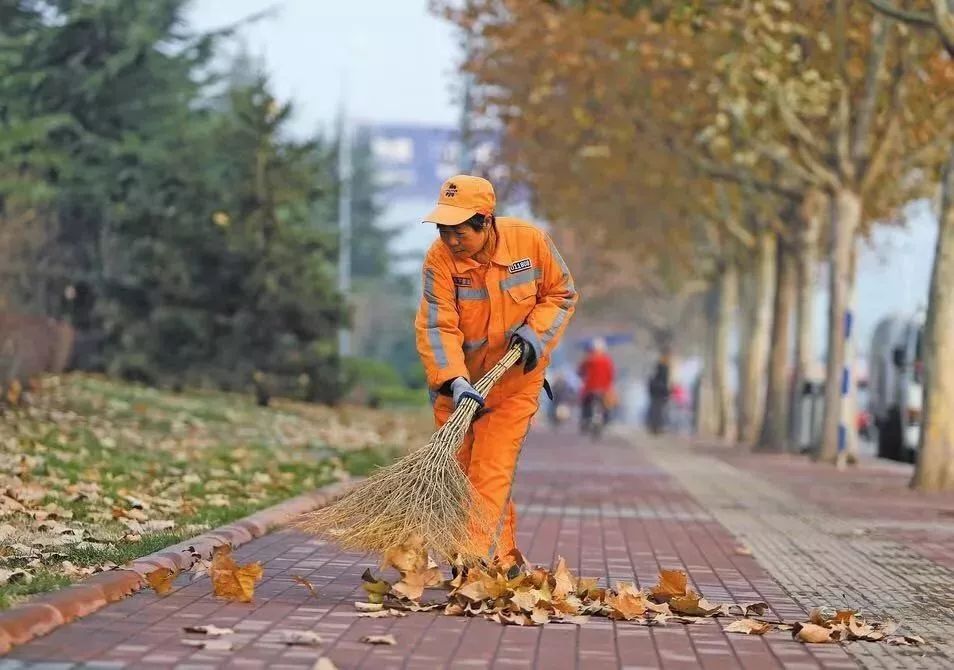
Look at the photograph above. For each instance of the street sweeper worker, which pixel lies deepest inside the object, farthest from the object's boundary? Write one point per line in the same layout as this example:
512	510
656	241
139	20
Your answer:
489	282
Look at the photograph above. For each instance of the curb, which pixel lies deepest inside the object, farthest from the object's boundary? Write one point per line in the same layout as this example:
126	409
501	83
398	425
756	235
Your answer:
37	617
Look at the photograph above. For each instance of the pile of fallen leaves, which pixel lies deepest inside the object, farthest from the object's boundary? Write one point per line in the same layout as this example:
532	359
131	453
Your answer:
95	472
508	591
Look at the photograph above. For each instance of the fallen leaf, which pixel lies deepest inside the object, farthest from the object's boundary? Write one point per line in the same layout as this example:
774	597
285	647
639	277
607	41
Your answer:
626	606
742	550
474	591
565	584
379	639
210	630
305	638
412	584
213	644
453	609
694	605
818	617
161	580
525	599
368	607
813	633
905	640
324	664
748	627
381	615
408	557
229	579
15	577
308	585
672	583
540	615
417	607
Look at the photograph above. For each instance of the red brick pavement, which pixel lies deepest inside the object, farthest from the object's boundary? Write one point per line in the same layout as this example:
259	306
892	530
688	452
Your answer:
604	507
874	493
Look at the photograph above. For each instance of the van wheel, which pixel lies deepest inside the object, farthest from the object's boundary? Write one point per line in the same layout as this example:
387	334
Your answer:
889	436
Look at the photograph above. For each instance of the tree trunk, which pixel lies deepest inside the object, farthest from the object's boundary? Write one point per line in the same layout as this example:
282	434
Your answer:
775	425
756	338
845	222
813	211
935	468
707	416
728	304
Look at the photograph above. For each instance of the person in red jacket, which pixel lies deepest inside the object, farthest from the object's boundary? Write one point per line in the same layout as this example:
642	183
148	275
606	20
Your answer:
597	373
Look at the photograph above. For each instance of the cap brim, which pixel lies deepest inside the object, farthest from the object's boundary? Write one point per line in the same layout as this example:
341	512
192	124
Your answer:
449	215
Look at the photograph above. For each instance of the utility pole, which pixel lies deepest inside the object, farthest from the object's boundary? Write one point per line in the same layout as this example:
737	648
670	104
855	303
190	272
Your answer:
466	160
344	225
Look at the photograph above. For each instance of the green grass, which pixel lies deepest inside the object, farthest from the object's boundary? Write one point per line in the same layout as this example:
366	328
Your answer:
91	446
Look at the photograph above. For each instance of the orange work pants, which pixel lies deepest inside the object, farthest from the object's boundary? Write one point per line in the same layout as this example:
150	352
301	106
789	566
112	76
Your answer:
490	451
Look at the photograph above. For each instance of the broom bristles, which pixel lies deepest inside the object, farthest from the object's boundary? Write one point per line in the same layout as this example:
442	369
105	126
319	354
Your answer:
426	494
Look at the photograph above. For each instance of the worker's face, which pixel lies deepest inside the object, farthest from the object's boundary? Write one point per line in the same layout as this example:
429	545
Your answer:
463	240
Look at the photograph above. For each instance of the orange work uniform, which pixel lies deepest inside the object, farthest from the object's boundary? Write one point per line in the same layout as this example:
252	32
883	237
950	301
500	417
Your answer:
467	315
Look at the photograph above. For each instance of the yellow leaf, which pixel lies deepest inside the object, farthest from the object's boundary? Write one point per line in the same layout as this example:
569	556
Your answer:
671	583
161	580
229	579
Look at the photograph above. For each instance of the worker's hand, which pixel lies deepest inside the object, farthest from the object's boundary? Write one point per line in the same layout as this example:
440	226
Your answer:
530	347
461	388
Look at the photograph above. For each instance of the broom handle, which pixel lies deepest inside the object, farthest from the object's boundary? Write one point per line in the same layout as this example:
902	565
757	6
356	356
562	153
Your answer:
485	383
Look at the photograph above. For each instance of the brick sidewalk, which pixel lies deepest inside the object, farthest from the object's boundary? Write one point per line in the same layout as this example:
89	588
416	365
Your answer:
609	509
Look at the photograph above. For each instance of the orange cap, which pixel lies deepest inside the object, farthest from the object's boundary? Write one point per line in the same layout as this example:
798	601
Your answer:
461	197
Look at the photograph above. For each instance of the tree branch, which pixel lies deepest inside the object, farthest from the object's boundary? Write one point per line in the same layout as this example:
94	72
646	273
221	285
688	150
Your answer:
888	8
742	177
866	109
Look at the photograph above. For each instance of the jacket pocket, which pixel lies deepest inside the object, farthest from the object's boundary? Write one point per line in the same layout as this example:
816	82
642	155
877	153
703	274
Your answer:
523	293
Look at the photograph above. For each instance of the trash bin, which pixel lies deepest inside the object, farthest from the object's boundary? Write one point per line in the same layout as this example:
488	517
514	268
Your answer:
811	408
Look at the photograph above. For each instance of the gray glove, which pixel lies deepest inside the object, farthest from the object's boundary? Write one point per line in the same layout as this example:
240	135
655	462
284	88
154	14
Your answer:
461	388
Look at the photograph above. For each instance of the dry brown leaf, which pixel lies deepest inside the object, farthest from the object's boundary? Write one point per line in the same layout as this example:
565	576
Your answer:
565	583
525	599
212	644
453	609
324	664
570	605
540	615
748	627
511	559
305	638
694	605
307	584
813	633
672	583
626	605
408	557
229	579
161	580
475	591
412	585
379	639
210	630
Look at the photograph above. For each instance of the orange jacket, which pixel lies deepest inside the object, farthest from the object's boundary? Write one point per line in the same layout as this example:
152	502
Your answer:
469	311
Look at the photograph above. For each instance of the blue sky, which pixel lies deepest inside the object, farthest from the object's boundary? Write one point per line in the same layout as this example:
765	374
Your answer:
393	60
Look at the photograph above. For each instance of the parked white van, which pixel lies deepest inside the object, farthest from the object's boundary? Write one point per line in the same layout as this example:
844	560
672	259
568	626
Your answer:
895	385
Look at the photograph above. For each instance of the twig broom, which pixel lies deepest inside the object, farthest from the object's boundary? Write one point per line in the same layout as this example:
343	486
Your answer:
425	496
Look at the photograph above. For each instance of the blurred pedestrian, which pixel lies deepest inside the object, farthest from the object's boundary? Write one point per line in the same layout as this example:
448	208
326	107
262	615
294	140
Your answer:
597	373
659	393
